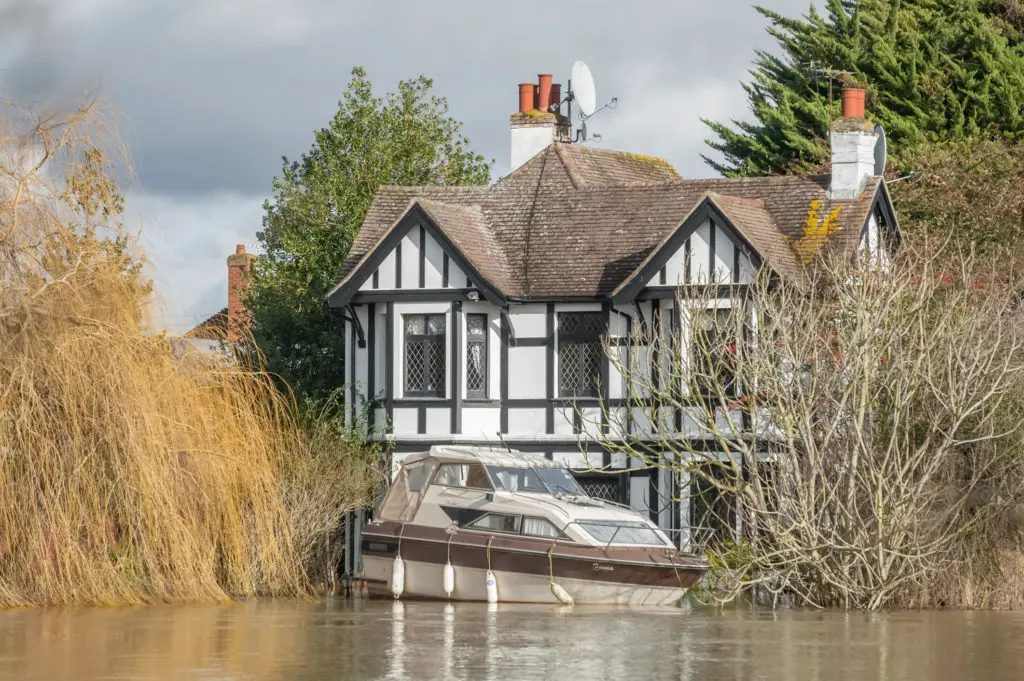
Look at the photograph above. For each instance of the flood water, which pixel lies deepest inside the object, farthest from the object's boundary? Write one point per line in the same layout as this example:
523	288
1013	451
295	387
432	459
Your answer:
364	640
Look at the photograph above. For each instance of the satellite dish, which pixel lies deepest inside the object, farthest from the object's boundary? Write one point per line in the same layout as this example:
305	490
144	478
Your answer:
881	151
583	88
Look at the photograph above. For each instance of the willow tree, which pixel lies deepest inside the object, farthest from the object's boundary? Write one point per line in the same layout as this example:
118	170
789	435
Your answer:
934	71
850	440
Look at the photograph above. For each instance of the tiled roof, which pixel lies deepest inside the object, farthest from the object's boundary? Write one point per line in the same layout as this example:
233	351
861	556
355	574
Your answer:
214	327
576	222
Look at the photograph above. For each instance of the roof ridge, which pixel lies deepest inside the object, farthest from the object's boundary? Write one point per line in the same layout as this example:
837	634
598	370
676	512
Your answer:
568	164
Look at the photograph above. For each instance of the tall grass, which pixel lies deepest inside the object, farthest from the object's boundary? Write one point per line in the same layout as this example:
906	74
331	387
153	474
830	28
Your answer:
130	471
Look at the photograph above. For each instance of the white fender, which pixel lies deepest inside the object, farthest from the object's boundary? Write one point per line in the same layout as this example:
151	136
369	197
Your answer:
492	588
448	579
561	594
398	576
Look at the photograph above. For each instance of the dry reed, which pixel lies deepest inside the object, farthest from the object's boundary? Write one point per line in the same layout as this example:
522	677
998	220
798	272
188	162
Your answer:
131	471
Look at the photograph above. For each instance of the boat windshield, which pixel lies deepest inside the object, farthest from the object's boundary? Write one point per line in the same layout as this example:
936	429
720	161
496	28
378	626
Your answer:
516	479
560	481
536	480
618	532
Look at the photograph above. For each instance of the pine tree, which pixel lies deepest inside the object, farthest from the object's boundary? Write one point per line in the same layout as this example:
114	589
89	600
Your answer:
935	70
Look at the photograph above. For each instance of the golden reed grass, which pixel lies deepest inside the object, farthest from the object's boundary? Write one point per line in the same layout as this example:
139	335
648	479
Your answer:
131	471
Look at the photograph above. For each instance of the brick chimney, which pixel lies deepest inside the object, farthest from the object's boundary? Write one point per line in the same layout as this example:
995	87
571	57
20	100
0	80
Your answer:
238	282
853	141
538	122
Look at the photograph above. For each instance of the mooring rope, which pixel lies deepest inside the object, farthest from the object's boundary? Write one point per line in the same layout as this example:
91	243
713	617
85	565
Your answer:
489	540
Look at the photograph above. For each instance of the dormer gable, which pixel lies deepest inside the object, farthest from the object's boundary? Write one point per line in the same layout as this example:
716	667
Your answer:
430	247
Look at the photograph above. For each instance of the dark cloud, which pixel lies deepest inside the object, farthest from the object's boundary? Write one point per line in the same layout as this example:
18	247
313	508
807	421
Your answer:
214	92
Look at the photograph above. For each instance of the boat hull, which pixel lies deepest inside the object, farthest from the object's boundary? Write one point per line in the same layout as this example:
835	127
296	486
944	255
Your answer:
523	567
424	581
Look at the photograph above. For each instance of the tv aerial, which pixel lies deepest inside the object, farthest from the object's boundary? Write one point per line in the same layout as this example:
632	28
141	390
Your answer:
584	93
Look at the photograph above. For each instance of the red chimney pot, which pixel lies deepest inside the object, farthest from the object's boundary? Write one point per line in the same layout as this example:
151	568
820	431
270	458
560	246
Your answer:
525	97
239	249
544	91
853	102
556	96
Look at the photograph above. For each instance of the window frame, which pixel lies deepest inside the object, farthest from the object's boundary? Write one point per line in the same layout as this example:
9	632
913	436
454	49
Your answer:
472	525
563	338
559	534
483	392
726	375
408	339
442	465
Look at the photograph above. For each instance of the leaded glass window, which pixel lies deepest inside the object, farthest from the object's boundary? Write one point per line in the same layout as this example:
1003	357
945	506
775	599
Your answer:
714	351
579	353
476	356
424	355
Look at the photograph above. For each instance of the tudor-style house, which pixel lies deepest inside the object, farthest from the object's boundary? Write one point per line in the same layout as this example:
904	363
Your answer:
475	315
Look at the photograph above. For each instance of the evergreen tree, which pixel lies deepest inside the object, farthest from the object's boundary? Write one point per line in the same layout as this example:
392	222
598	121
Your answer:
319	202
934	69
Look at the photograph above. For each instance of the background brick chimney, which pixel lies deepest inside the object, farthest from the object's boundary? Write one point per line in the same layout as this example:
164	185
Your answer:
535	126
238	282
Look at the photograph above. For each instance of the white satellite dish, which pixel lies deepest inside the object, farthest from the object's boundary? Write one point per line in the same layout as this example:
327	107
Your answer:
583	89
881	151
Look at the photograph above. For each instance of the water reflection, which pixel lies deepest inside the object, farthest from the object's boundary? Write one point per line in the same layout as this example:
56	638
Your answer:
360	641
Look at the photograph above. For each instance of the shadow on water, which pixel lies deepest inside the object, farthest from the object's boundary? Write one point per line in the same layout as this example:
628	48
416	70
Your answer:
363	640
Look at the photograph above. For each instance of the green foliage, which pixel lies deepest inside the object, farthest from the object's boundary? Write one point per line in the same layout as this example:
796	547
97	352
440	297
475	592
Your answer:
971	191
319	202
935	70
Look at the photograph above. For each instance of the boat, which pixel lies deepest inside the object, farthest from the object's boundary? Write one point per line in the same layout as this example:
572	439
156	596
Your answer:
476	524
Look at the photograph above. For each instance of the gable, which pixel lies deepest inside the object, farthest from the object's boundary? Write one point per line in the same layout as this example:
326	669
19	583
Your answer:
417	261
709	255
706	249
415	255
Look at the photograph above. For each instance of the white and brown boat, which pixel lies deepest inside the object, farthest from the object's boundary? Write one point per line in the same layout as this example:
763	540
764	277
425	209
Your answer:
522	523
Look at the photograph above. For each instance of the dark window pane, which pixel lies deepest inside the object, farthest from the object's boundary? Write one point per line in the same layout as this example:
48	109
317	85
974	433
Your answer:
713	354
579	353
476	325
476	355
425	355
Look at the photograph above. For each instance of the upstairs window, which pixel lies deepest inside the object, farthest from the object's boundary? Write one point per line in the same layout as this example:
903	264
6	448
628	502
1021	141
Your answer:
476	356
579	353
713	352
424	355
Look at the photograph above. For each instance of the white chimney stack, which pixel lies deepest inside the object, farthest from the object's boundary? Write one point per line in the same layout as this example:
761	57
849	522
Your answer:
853	141
538	122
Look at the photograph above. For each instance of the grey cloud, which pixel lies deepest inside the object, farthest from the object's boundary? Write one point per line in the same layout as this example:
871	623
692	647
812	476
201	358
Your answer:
214	92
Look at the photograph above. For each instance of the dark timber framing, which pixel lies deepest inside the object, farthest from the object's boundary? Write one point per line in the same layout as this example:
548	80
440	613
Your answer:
389	379
503	371
630	289
415	217
551	369
456	356
423	257
398	266
371	359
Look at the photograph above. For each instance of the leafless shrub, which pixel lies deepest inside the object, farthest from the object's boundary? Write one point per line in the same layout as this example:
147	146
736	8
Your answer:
854	441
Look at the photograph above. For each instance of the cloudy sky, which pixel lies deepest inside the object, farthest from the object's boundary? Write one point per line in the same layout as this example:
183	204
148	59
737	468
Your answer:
213	93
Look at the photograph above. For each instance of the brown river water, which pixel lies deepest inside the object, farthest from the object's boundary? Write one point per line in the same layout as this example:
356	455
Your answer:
363	640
